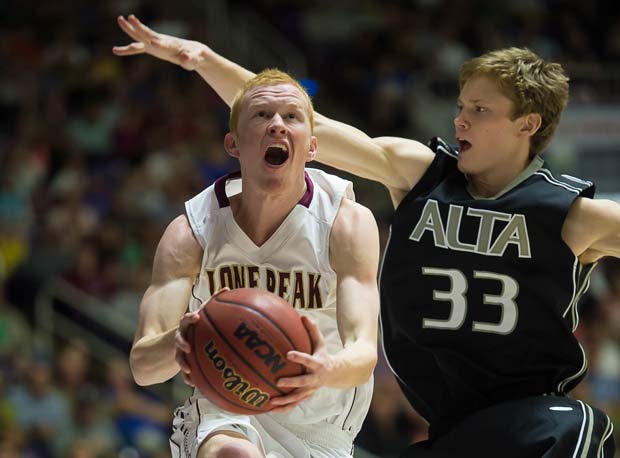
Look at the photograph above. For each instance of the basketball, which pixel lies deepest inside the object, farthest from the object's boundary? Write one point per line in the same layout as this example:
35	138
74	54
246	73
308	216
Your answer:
239	348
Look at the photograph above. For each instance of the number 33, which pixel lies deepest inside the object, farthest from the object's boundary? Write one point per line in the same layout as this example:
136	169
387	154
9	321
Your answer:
456	296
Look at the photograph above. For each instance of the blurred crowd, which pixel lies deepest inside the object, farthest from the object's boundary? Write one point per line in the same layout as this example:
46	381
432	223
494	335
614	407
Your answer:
99	153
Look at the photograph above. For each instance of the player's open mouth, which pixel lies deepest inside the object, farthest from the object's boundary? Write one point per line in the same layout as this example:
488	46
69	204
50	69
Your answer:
464	145
276	154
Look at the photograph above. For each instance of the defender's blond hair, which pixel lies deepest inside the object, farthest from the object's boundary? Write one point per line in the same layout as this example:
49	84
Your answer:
533	85
269	77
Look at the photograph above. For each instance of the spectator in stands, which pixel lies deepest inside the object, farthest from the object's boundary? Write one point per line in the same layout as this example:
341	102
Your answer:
142	420
41	412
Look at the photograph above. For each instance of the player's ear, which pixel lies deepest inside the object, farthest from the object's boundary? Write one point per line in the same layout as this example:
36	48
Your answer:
312	150
530	124
230	145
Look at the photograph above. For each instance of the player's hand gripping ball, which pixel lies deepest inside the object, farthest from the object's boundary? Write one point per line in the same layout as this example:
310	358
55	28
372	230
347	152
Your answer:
239	348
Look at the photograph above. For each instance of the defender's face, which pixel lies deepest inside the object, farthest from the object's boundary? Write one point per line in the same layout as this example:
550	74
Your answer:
487	137
274	139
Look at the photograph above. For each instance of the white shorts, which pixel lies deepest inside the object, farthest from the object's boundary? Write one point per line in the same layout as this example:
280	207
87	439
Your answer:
198	419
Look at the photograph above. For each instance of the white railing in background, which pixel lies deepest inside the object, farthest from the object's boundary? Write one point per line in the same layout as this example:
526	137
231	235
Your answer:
51	324
54	324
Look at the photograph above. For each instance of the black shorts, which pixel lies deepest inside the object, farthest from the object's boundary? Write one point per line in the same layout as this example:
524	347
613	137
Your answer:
536	427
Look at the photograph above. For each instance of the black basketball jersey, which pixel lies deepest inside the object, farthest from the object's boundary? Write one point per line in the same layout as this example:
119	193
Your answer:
479	296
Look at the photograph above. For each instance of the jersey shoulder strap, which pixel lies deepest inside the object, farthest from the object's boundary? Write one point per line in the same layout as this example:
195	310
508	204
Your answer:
439	146
568	183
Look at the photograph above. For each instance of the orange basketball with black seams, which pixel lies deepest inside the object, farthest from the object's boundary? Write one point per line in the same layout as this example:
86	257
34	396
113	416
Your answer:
239	349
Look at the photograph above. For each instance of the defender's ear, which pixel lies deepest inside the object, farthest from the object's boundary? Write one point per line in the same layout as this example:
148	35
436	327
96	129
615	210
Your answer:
230	145
530	124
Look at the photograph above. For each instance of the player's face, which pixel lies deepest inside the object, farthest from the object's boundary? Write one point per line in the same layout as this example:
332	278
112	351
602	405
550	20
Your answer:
274	139
488	138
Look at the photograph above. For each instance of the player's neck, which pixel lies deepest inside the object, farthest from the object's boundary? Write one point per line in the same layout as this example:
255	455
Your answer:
492	182
259	214
488	185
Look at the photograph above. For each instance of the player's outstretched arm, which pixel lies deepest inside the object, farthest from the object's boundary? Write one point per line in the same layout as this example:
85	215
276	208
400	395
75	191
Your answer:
398	163
224	76
592	229
354	255
177	262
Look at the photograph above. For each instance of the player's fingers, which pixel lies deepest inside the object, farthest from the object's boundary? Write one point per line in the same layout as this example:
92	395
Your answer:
294	397
127	27
182	362
188	380
301	381
156	42
184	366
147	33
221	290
315	334
181	343
129	50
304	359
192	317
187	320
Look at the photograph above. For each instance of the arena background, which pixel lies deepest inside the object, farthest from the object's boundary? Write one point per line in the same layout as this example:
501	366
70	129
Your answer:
98	154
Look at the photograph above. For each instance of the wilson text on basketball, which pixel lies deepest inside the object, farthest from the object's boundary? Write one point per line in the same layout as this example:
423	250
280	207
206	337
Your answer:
233	382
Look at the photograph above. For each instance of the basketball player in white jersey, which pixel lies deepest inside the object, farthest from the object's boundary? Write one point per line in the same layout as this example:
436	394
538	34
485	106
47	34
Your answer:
293	231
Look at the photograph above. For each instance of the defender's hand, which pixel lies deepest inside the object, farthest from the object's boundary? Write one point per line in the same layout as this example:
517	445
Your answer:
186	53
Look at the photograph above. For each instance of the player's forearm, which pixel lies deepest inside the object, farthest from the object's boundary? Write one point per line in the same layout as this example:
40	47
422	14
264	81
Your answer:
353	365
152	359
224	76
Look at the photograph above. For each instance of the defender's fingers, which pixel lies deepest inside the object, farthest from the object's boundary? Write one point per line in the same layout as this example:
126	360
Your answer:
129	50
156	42
127	27
142	29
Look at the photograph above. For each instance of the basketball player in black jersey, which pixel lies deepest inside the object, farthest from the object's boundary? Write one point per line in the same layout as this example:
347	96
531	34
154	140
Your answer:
488	256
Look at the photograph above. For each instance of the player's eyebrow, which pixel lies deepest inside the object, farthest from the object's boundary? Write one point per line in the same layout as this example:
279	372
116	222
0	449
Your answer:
265	103
459	100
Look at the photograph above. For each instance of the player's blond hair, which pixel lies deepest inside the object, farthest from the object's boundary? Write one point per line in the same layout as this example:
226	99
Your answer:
533	85
268	77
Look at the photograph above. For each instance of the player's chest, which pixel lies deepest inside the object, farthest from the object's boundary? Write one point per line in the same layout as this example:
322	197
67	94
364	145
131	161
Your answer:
298	270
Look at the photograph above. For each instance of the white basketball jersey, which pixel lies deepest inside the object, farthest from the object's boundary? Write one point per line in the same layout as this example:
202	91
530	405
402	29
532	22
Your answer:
294	264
